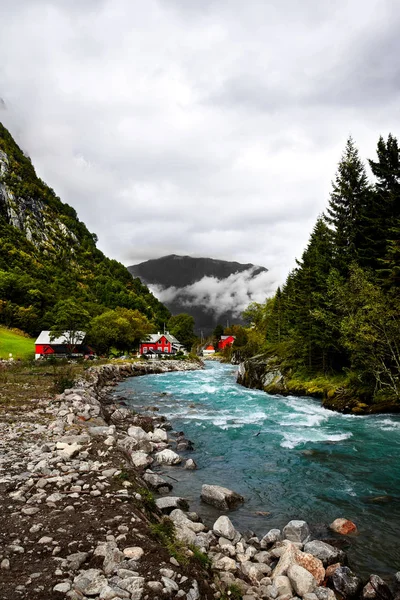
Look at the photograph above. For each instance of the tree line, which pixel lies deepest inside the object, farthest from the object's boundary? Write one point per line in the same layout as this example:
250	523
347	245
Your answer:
339	308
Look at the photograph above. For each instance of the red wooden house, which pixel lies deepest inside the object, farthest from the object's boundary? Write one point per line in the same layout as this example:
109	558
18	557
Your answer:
65	345
160	343
225	341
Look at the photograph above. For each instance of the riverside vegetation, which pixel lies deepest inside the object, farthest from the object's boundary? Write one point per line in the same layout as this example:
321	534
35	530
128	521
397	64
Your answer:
333	329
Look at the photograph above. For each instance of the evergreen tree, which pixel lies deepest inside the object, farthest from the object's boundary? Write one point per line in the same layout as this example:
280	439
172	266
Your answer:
347	208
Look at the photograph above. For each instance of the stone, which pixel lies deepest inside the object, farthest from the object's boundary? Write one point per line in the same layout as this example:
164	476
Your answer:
155	482
190	464
170	585
63	587
30	511
255	571
324	593
273	536
296	531
194	592
325	552
159	435
155	586
287	558
170	503
283	585
376	589
90	582
302	581
223	527
138	433
312	564
45	540
224	564
134	552
56	497
346	583
68	451
76	560
221	497
343	526
329	571
5	564
140	459
167	457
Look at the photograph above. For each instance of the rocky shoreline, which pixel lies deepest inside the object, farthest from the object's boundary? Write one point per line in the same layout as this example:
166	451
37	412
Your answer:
80	520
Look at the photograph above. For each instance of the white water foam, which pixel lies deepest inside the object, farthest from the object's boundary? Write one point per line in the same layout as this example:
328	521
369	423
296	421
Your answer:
293	440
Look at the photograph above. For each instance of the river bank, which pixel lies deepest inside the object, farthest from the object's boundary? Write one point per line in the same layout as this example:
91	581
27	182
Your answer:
81	522
335	392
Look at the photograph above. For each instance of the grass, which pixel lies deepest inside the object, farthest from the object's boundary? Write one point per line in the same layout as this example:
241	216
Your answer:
17	343
164	532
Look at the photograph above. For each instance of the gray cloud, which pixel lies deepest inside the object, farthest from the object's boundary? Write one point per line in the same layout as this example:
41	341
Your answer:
207	128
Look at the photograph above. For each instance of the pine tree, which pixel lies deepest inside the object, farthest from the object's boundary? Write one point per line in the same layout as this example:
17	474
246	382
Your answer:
347	208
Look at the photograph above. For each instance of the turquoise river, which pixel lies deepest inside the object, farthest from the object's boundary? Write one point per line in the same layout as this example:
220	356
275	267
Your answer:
289	457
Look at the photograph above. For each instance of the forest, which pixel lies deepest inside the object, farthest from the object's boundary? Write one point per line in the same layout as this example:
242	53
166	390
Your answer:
51	272
337	316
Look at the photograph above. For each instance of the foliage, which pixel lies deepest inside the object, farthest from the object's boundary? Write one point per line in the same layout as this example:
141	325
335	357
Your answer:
182	327
120	328
164	532
48	256
337	314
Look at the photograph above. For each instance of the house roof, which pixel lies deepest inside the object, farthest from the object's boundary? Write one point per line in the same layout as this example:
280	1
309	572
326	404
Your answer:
154	337
225	337
44	338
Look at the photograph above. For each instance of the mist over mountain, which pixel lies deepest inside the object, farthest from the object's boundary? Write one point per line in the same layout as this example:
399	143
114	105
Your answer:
212	291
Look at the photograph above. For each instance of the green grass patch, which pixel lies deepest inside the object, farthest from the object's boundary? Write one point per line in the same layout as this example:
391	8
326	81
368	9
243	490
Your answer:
16	343
164	532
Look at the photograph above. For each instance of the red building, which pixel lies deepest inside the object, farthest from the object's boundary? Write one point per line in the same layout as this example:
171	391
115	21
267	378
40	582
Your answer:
160	343
225	341
66	344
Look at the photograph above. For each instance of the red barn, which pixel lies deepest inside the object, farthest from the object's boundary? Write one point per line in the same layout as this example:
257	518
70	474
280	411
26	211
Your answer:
61	346
225	341
160	343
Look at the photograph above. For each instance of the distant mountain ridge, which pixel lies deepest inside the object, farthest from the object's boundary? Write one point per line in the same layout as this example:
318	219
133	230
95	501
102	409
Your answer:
212	291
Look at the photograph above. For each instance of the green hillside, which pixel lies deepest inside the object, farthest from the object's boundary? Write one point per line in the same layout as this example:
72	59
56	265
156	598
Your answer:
47	255
17	344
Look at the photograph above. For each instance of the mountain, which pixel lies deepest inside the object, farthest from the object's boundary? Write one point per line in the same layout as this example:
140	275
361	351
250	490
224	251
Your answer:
48	255
212	291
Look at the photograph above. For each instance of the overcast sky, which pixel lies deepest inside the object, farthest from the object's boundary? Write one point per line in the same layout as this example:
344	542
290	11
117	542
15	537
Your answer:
202	127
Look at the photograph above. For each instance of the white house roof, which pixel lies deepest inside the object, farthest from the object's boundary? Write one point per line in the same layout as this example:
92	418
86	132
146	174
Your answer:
154	337
225	337
44	338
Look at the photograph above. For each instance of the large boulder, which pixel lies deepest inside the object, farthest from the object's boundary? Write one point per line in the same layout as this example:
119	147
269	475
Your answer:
325	552
221	497
157	483
223	527
296	531
312	564
376	589
346	583
302	581
343	526
170	503
168	457
273	536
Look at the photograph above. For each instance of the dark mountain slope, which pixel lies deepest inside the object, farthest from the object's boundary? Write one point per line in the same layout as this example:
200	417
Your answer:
212	291
47	254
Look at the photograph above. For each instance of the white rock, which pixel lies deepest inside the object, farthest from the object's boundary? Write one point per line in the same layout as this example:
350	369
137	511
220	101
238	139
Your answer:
134	552
296	531
138	433
223	527
159	435
168	457
62	587
224	564
140	459
302	581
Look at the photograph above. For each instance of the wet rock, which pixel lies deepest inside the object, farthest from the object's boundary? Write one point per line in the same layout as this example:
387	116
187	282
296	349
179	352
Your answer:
296	531
376	589
343	526
325	552
302	581
168	457
346	583
156	482
190	464
170	503
221	497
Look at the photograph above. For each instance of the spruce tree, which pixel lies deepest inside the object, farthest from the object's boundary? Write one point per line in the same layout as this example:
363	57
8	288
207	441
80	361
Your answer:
347	208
